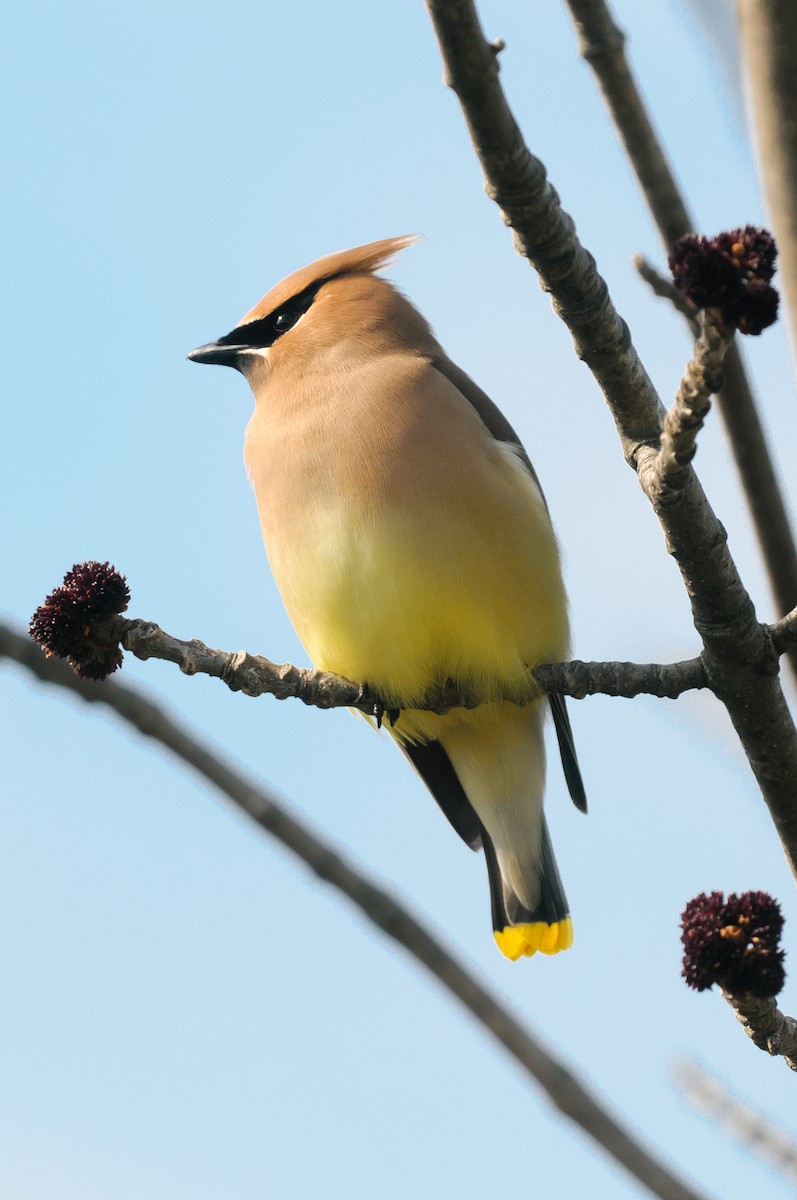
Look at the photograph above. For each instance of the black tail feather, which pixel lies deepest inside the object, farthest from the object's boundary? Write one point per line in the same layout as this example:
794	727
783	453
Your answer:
434	767
567	750
553	903
497	902
505	907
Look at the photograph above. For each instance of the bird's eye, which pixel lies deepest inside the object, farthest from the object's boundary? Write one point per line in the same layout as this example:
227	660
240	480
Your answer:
285	320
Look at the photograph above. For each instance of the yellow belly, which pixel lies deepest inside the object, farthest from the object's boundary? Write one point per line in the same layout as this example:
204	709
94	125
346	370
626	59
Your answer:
423	553
408	598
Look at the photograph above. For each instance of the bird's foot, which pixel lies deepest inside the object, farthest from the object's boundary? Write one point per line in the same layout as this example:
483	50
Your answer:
380	711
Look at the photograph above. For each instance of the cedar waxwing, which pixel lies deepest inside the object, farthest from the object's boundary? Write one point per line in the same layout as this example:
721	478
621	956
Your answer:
411	544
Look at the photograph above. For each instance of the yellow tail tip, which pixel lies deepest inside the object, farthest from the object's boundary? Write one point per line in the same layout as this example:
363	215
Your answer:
516	941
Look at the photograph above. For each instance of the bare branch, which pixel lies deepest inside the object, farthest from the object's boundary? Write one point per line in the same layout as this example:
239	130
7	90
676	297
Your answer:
749	1128
542	231
252	674
624	679
769	1028
602	45
752	457
563	1088
760	482
684	420
663	286
739	656
255	675
769	37
784	632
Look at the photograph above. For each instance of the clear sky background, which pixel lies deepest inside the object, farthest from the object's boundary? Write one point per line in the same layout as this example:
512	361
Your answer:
184	1013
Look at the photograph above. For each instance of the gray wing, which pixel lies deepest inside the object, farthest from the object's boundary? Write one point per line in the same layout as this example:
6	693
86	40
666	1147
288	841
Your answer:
489	412
502	431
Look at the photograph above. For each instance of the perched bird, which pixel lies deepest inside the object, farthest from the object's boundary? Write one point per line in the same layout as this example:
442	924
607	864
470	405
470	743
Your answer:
411	544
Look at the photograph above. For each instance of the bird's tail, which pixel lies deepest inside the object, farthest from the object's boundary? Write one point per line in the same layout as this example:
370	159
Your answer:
486	769
521	931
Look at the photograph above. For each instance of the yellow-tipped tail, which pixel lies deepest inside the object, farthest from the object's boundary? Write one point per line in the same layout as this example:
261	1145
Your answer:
515	941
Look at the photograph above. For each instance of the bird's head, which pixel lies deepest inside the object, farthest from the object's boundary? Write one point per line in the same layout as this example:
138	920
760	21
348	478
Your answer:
331	309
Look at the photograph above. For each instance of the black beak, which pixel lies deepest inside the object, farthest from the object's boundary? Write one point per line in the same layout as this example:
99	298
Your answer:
214	352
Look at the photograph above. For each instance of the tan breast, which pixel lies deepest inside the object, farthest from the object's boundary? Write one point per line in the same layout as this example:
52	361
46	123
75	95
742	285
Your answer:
408	545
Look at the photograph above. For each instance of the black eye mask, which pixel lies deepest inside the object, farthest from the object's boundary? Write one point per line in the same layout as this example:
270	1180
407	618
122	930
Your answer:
266	330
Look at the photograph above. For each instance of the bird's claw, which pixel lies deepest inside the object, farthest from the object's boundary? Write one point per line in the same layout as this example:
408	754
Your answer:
380	712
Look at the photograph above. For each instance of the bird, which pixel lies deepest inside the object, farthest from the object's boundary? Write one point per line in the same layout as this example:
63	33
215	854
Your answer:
411	543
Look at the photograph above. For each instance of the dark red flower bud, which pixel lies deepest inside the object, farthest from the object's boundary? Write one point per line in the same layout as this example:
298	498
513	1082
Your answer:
758	309
72	622
730	273
733	943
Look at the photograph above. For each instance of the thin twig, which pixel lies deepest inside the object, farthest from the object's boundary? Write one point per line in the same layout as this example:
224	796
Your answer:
255	675
602	44
252	674
702	379
784	632
662	285
752	457
740	659
766	1025
760	484
622	679
562	1086
749	1128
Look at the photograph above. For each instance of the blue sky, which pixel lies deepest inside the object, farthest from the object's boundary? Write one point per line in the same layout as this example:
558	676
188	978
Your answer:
186	1015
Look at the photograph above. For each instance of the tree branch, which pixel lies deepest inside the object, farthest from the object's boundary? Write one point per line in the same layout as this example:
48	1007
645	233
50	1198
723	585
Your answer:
664	287
255	675
769	37
750	1129
563	1088
739	656
622	679
602	44
769	1028
784	632
684	420
542	231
